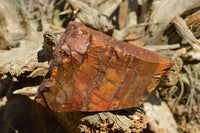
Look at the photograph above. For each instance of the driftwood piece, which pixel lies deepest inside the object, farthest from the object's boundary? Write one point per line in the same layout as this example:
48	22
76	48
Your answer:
121	34
126	121
108	8
185	32
162	47
27	91
10	29
193	22
90	16
169	8
24	58
192	56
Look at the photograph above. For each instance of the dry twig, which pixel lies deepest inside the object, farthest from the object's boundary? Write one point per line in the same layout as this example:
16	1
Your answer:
185	32
163	13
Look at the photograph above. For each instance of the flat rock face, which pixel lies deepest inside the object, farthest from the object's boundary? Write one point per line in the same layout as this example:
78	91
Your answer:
91	71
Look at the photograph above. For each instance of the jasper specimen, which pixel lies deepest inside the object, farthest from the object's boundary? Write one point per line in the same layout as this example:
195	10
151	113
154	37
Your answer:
91	71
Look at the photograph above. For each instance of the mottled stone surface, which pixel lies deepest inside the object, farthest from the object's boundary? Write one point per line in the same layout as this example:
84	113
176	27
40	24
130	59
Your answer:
91	71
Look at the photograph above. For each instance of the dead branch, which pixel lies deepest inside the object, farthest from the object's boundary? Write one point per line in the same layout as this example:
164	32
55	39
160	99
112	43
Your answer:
25	57
162	47
109	7
185	32
90	16
28	91
45	26
163	13
120	34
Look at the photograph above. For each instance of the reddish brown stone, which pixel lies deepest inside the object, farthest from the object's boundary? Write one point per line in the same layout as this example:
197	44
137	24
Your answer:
91	71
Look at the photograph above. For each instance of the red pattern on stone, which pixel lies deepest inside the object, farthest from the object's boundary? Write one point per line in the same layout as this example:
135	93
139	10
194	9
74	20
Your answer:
91	71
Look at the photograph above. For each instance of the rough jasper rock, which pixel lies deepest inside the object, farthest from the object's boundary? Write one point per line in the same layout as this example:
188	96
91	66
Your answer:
91	71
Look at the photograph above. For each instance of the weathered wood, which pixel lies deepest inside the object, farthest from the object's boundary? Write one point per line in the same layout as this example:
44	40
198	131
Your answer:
90	16
126	121
186	33
162	47
163	13
10	28
27	91
24	58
